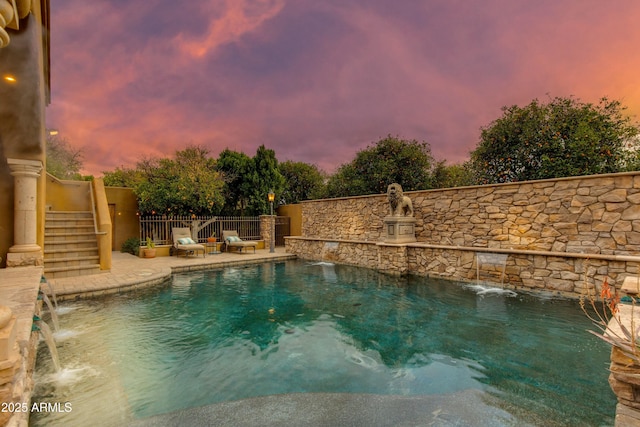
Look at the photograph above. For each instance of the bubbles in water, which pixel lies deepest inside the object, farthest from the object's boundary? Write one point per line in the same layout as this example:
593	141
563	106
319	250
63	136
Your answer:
66	309
68	376
65	334
487	290
363	360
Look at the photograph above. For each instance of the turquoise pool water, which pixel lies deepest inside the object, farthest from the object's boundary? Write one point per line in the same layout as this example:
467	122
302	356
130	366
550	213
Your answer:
296	326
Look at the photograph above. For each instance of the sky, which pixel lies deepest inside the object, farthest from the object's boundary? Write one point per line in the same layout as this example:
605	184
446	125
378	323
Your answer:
319	80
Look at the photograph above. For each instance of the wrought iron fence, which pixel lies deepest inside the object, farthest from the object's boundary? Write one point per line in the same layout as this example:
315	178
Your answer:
158	228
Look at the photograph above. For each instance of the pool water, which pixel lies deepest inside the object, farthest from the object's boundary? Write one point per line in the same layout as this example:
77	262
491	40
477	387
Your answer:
296	326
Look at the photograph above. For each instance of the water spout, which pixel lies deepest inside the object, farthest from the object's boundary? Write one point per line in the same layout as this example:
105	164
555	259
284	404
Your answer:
51	291
54	315
496	259
46	334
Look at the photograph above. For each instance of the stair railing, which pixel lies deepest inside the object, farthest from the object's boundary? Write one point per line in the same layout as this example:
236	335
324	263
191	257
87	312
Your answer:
103	229
93	211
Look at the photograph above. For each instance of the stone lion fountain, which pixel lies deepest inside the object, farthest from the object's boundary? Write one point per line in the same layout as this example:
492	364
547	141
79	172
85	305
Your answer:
399	225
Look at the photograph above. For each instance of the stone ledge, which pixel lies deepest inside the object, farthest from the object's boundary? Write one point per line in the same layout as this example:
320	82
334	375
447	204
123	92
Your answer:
626	416
626	258
631	285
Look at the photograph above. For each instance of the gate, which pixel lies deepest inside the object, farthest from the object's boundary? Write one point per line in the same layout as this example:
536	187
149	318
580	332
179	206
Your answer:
282	229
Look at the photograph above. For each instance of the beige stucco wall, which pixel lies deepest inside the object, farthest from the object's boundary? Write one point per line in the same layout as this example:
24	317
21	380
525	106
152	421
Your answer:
67	195
294	212
125	220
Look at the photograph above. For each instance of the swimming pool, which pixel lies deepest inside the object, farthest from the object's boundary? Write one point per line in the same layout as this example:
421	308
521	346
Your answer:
296	326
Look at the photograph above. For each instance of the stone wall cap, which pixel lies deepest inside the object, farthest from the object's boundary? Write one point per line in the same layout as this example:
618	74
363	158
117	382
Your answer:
626	258
488	186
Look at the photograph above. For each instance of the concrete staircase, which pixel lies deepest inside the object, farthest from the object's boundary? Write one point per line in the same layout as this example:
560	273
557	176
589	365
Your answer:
70	244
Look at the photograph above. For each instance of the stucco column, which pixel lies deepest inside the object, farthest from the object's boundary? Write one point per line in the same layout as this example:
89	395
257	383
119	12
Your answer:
26	174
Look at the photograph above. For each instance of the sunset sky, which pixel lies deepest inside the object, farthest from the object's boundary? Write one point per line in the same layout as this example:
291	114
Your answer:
319	80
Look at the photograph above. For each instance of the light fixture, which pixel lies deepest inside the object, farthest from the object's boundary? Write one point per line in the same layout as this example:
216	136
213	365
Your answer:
10	78
272	197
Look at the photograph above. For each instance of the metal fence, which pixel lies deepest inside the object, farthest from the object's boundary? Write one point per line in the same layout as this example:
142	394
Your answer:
158	228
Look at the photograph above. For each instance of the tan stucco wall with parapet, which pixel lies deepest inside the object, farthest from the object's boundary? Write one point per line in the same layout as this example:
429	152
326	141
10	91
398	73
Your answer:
124	209
23	91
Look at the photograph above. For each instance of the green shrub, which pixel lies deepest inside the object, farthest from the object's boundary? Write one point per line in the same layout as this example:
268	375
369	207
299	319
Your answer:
131	246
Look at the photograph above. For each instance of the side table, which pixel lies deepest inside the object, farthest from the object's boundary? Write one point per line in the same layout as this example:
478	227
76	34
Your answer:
212	246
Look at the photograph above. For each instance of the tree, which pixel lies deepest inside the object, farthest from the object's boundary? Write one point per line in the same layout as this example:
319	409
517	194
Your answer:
198	183
249	180
122	177
448	176
63	161
565	137
408	163
235	167
186	185
265	178
302	181
632	150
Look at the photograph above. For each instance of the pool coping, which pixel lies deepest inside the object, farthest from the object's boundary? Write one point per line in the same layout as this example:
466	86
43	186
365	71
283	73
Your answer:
129	272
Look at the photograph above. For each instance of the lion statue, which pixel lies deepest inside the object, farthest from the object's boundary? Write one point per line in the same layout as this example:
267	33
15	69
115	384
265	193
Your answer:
399	204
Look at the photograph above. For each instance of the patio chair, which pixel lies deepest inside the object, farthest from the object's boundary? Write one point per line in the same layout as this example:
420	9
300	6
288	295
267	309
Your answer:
231	240
182	241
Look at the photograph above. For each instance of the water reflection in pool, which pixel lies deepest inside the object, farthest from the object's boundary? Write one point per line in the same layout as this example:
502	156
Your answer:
296	326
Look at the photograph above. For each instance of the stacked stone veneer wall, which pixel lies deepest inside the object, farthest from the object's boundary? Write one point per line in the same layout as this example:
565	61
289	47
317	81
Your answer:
558	234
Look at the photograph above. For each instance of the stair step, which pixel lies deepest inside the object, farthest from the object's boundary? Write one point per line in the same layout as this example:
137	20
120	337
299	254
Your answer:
67	237
73	261
72	271
68	251
65	227
72	267
72	233
68	213
70	244
69	218
71	255
62	223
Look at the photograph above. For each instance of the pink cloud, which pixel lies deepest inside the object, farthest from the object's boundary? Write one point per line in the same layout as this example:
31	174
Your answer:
238	18
316	81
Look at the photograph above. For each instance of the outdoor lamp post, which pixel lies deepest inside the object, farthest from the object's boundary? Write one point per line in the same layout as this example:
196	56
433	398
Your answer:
272	197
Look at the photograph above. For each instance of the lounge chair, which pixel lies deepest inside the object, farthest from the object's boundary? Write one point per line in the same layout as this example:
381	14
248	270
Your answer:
182	241
231	240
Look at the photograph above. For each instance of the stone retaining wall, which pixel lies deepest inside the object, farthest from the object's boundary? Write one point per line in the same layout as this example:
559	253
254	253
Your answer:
560	235
567	274
593	214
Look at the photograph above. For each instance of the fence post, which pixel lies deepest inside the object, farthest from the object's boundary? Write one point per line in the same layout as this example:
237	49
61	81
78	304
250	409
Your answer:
265	230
